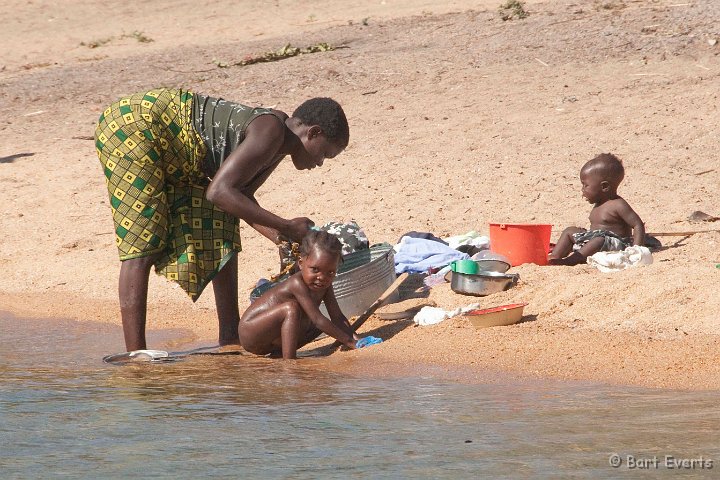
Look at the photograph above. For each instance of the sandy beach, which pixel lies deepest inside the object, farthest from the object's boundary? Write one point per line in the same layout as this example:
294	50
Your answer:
458	118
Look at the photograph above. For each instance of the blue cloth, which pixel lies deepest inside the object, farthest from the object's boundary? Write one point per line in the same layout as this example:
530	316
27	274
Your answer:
367	341
417	255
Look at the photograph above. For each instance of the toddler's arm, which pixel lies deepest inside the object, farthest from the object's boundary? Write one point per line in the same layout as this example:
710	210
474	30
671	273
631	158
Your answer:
633	219
336	314
301	293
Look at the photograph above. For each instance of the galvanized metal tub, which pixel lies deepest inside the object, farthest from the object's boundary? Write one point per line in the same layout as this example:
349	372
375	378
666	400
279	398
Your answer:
363	277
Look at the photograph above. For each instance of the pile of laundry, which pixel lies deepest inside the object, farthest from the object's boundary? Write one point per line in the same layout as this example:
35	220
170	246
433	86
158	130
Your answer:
419	252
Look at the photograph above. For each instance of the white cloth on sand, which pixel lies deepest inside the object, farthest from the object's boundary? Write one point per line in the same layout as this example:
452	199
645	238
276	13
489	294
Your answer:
433	315
471	238
616	261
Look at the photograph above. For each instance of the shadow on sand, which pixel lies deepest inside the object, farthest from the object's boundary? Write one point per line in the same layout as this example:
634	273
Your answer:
12	158
386	332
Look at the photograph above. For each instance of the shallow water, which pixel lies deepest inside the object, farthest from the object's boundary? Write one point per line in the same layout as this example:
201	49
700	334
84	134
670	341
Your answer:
63	413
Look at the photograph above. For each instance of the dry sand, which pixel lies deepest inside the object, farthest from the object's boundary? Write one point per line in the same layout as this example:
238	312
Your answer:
458	119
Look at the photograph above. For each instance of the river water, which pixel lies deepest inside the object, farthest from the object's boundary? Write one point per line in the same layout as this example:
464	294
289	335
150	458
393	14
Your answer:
65	414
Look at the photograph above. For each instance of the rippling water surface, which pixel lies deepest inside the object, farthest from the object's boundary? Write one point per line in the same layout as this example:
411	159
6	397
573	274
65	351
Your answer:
63	413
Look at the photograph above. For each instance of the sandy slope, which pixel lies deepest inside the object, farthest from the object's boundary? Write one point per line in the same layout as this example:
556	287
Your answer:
457	119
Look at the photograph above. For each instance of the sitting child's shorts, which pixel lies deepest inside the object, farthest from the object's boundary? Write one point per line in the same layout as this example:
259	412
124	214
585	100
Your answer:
613	242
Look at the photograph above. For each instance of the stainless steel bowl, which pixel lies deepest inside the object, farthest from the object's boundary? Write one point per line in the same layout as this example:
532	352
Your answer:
483	283
493	265
486	265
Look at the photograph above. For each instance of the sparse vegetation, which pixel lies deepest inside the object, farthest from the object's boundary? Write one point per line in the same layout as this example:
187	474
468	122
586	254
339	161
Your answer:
612	5
363	22
139	36
96	43
513	9
286	52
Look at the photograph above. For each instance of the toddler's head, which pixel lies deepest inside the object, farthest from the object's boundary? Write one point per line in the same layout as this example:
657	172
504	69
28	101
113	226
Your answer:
607	167
321	241
600	177
320	255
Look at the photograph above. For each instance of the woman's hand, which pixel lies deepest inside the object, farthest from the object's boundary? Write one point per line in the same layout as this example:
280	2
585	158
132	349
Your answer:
297	228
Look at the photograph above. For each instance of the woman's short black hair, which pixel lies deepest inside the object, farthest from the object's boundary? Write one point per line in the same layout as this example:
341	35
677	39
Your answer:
328	115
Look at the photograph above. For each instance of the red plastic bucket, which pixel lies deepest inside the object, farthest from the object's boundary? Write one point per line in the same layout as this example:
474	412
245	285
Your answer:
521	242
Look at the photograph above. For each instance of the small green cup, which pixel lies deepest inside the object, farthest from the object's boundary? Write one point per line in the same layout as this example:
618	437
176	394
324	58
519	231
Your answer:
465	266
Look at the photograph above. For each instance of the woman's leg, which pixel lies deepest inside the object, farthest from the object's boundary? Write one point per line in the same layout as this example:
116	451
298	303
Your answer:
133	291
225	288
126	148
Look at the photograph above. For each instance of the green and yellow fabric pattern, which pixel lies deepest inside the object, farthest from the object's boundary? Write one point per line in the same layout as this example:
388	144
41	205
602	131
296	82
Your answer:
151	154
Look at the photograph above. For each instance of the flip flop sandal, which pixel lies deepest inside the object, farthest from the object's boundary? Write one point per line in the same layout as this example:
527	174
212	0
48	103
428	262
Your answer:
155	356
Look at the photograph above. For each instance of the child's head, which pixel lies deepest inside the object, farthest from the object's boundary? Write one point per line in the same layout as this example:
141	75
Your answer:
327	114
601	177
320	255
